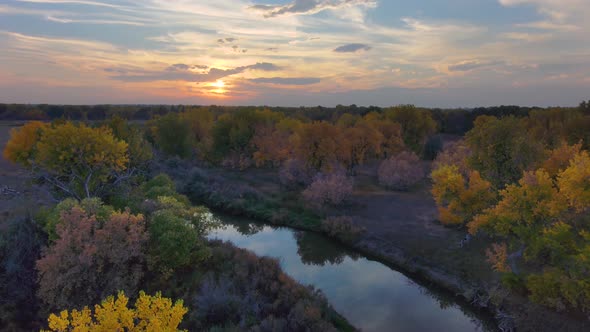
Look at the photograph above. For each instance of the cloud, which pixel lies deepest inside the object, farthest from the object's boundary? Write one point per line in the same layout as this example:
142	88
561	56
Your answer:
287	80
351	48
182	72
473	64
303	7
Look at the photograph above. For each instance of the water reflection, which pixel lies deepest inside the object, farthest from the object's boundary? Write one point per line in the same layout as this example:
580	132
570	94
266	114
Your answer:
370	295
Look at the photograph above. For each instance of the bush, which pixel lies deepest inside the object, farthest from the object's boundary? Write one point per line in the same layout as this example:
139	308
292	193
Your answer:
176	238
328	189
294	174
401	172
250	293
342	228
91	260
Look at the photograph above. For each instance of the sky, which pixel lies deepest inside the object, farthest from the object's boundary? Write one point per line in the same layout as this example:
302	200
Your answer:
431	53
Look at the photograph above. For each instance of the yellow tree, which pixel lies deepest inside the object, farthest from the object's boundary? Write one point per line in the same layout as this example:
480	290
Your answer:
78	160
21	145
459	199
151	314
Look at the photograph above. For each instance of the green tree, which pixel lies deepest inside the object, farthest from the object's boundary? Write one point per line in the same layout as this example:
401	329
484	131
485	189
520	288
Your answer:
502	149
417	125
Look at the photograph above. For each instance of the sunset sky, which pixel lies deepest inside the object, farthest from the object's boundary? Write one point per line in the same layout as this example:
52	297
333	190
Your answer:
443	53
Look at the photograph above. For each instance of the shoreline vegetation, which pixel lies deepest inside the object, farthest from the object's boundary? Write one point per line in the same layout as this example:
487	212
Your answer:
488	204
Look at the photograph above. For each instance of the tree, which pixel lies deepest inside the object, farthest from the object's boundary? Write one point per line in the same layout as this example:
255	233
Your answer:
172	135
21	146
79	161
400	172
201	121
318	144
151	314
138	149
545	218
177	236
359	144
417	125
91	259
501	149
458	197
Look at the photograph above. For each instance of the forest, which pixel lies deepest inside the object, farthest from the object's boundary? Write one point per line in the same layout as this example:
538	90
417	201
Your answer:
119	242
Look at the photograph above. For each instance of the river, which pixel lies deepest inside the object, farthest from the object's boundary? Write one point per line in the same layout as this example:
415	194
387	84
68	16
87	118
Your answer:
372	296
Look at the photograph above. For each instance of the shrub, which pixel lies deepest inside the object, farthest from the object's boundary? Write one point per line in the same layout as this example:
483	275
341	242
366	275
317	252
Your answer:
342	228
294	174
92	259
251	293
328	189
401	172
176	234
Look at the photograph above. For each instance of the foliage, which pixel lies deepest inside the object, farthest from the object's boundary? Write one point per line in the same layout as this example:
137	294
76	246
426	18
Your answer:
92	258
201	122
317	144
250	293
457	154
272	143
417	125
328	189
559	158
232	133
76	159
22	144
138	149
150	314
548	216
172	135
501	149
176	235
401	172
460	198
162	185
498	256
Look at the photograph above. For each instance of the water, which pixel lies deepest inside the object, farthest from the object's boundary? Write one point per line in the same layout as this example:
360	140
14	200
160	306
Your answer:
370	295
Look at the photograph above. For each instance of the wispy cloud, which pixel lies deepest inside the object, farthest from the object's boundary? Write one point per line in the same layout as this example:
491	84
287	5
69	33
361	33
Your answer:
310	6
351	48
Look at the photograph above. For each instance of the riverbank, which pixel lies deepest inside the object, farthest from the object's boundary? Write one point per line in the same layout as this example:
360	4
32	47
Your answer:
400	230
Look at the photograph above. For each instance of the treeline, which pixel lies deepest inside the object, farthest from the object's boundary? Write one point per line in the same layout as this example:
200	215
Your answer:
451	121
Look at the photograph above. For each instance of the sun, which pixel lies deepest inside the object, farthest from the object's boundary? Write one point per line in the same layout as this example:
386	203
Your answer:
218	84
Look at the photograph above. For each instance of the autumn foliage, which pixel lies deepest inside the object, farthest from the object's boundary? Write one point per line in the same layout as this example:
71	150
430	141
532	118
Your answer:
78	160
150	314
91	259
